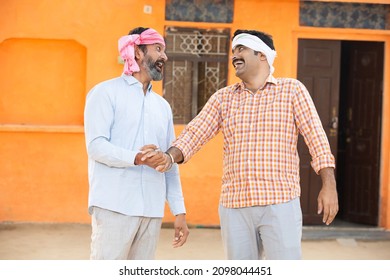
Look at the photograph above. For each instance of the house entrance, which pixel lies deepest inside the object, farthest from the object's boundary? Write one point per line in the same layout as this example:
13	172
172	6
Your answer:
345	79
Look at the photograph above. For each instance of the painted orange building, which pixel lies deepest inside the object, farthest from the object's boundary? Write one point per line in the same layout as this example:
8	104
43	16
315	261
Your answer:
53	52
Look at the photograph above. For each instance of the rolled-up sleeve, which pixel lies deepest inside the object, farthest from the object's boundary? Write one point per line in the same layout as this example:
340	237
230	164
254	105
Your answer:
310	126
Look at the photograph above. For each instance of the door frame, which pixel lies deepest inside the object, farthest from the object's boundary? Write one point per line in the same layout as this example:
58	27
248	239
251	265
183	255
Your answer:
362	35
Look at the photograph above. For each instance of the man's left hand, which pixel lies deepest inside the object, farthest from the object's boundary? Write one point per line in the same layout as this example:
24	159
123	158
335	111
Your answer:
327	198
181	231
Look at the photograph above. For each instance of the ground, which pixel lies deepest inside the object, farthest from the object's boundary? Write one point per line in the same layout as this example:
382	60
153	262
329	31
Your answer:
72	241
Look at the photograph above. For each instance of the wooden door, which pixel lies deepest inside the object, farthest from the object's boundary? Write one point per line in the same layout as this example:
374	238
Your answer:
319	70
360	131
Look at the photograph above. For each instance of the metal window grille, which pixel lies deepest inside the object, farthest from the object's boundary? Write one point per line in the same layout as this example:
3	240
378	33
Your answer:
197	67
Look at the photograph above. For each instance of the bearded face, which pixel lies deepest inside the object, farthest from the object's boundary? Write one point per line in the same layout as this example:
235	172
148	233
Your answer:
154	67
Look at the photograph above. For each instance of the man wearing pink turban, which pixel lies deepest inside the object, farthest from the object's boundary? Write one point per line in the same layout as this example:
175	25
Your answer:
127	195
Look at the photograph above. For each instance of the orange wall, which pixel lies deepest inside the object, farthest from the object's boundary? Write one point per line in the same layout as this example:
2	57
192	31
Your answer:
42	178
53	51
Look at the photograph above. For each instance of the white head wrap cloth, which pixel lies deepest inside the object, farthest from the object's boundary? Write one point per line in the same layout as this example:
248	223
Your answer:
126	47
256	44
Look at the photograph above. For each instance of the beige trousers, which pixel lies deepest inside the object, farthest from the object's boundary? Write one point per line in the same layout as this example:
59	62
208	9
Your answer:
119	237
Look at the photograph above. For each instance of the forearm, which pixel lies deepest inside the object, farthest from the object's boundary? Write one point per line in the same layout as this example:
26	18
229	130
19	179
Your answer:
328	177
174	194
104	152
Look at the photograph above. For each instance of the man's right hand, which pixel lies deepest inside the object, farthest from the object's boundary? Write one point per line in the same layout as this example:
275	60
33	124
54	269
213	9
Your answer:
153	157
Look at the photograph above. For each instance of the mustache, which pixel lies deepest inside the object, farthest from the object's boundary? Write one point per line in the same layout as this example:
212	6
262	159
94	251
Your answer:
234	60
162	61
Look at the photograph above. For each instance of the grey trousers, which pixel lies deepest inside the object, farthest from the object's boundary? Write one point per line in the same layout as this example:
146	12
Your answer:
119	237
273	232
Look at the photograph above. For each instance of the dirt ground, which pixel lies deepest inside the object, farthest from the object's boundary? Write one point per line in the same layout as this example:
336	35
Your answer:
72	241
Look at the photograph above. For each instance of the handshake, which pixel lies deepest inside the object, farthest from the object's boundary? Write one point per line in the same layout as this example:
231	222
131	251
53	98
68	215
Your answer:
153	157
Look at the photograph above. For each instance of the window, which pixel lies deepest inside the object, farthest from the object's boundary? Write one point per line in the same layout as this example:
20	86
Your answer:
197	67
344	15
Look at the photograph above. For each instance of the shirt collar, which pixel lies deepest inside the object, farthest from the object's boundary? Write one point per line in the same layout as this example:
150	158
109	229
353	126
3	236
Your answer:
131	81
270	80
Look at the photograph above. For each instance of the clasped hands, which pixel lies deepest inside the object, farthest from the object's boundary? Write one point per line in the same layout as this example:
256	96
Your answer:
153	157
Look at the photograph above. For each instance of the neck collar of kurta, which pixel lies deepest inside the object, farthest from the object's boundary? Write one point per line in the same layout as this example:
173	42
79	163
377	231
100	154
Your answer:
131	81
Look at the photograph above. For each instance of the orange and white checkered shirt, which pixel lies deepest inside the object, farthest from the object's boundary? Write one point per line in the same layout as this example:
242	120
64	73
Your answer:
260	159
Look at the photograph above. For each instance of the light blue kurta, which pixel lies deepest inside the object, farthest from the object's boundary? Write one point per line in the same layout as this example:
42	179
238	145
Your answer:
119	119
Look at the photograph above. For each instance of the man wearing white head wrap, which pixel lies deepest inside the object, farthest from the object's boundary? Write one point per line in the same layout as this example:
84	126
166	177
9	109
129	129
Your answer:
256	44
127	196
260	119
